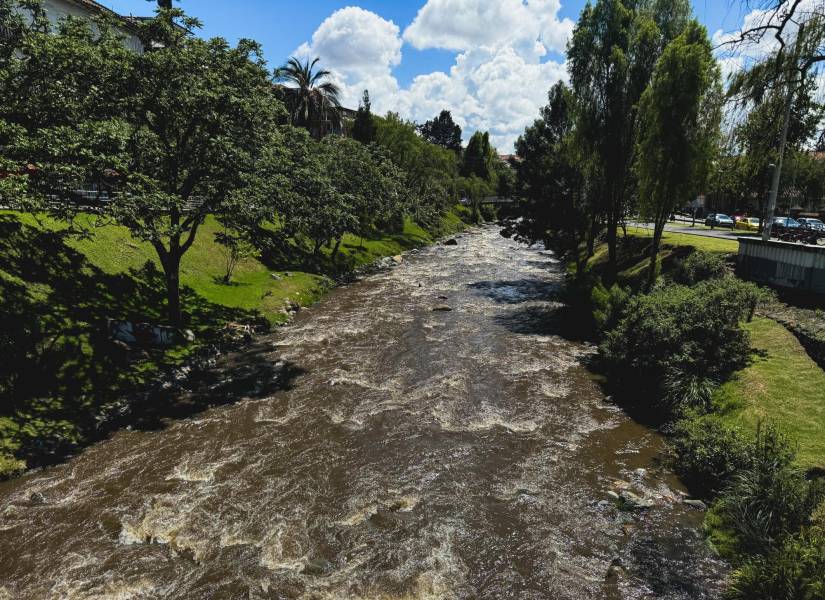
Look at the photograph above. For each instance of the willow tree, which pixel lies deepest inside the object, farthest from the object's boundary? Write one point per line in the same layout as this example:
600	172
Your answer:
611	58
679	115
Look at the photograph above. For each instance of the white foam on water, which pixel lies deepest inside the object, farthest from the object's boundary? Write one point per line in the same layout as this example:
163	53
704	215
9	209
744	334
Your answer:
286	548
359	516
487	417
193	473
167	522
140	590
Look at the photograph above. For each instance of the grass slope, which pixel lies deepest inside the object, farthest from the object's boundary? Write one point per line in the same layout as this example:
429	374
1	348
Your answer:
782	384
633	252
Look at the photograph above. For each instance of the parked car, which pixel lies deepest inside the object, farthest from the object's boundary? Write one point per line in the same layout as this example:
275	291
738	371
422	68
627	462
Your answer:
813	224
748	224
718	220
785	225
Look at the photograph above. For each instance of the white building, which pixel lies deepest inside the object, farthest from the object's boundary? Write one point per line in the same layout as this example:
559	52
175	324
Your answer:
85	9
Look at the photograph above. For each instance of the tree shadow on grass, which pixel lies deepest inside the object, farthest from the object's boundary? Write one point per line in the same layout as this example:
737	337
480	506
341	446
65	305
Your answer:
281	253
63	383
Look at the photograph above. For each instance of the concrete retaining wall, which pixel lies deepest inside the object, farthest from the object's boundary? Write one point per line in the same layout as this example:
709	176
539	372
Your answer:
783	264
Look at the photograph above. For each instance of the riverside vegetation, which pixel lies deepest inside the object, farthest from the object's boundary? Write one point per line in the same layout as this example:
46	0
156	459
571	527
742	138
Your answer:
689	350
683	343
219	208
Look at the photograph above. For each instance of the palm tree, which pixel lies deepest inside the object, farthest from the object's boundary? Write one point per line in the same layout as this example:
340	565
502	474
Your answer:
313	101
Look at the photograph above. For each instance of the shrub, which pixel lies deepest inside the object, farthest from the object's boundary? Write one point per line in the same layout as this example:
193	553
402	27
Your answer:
699	266
769	500
795	571
710	453
489	213
678	336
607	305
10	466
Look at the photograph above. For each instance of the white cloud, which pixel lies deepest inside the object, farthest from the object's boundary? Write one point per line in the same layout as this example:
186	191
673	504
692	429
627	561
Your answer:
500	76
361	48
460	25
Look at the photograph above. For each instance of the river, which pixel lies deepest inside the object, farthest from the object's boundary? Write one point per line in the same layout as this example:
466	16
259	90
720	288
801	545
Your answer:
415	454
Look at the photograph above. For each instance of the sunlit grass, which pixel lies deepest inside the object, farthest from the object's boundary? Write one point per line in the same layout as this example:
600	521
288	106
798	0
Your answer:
782	384
700	242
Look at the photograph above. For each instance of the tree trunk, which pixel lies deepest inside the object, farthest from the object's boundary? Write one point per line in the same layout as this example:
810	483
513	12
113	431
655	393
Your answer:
335	249
592	235
171	268
612	253
658	229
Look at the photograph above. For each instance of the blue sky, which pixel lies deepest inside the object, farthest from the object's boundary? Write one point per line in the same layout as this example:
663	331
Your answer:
419	56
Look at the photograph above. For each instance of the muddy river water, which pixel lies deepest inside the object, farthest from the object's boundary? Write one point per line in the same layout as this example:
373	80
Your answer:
420	454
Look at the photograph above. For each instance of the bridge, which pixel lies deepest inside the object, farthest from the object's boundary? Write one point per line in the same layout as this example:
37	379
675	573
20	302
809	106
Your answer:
490	200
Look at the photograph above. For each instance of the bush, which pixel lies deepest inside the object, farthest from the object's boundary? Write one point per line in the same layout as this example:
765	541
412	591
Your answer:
10	466
710	453
489	213
679	336
699	266
769	500
795	571
607	305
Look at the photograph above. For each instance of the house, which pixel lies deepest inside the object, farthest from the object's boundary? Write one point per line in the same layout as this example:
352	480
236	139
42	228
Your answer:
86	9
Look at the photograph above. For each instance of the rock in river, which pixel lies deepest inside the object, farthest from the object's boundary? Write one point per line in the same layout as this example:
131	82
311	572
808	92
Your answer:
451	242
442	308
633	502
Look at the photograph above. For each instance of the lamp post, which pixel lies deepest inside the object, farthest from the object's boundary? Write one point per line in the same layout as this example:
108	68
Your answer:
765	201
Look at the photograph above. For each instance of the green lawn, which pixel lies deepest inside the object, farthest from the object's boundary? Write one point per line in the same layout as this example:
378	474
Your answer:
782	384
700	242
112	250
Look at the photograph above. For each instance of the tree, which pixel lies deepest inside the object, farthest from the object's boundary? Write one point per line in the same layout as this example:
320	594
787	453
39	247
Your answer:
549	177
611	57
200	115
679	118
478	157
429	171
797	30
758	138
237	248
63	92
365	185
442	131
364	128
313	100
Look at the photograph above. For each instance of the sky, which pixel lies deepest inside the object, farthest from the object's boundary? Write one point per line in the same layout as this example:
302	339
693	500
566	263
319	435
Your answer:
490	62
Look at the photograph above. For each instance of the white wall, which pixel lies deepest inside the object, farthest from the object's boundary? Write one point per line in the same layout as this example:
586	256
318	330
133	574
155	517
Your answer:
60	9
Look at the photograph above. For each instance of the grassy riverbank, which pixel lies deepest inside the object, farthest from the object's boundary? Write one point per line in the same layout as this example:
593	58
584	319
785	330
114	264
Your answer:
741	398
782	384
63	380
633	253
